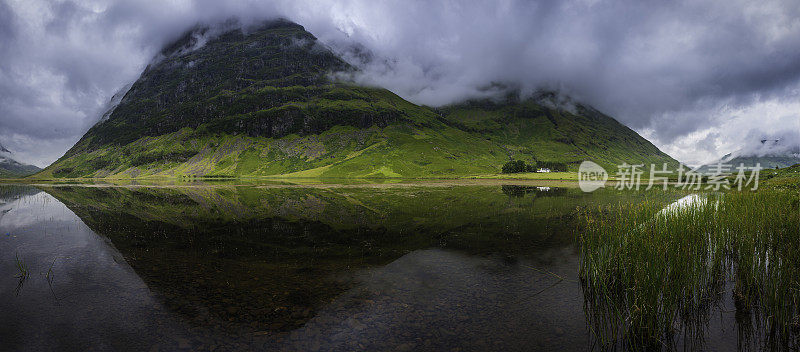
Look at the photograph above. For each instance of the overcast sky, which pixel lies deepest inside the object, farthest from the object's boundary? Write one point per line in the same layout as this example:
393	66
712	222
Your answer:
697	78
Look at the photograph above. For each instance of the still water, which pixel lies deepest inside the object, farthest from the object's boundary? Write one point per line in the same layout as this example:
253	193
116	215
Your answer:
352	267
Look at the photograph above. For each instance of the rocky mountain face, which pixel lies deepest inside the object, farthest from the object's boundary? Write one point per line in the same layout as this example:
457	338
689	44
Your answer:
266	100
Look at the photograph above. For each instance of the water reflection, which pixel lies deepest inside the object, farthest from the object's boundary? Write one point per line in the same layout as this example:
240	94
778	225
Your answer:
79	294
326	267
266	259
439	300
249	266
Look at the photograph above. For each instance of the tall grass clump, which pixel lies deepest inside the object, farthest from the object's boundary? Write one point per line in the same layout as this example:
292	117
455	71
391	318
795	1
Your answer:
651	274
22	268
22	273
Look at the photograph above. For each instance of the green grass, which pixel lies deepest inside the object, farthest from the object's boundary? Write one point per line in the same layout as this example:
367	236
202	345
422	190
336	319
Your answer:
784	178
22	273
340	152
649	276
572	176
22	268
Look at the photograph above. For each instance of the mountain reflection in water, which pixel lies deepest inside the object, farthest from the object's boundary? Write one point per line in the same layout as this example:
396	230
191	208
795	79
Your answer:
298	268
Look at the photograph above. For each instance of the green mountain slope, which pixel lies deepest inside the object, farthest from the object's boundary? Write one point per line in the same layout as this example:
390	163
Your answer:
536	131
263	102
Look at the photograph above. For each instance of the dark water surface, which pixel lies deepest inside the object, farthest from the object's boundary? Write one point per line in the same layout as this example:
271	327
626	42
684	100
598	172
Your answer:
437	268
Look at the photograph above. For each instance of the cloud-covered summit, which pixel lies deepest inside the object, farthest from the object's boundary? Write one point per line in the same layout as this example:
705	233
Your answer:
699	78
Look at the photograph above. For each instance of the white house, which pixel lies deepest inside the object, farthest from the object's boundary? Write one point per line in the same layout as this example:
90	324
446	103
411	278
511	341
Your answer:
544	169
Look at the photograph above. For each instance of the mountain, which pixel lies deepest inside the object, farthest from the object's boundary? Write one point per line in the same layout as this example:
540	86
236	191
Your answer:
769	153
547	128
267	100
766	161
10	168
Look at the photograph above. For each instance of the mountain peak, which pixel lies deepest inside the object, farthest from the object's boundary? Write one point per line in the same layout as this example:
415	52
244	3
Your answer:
200	34
194	79
262	99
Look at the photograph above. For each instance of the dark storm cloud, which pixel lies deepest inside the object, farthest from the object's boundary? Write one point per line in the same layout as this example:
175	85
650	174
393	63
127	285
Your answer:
6	24
636	60
693	76
62	60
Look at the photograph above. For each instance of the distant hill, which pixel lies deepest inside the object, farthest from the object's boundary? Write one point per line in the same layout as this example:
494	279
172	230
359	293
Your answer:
766	161
769	153
10	168
226	103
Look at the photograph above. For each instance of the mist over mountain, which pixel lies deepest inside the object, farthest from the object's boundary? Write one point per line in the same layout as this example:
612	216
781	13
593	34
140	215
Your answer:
12	168
694	77
785	143
267	98
769	151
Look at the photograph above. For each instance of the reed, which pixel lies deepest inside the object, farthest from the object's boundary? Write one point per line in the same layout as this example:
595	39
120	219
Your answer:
50	275
22	268
651	274
22	273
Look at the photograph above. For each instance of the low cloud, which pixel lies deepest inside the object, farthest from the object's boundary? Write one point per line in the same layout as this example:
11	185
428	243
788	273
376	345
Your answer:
692	76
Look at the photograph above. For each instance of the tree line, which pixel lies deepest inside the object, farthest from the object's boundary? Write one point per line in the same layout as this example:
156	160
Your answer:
516	166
